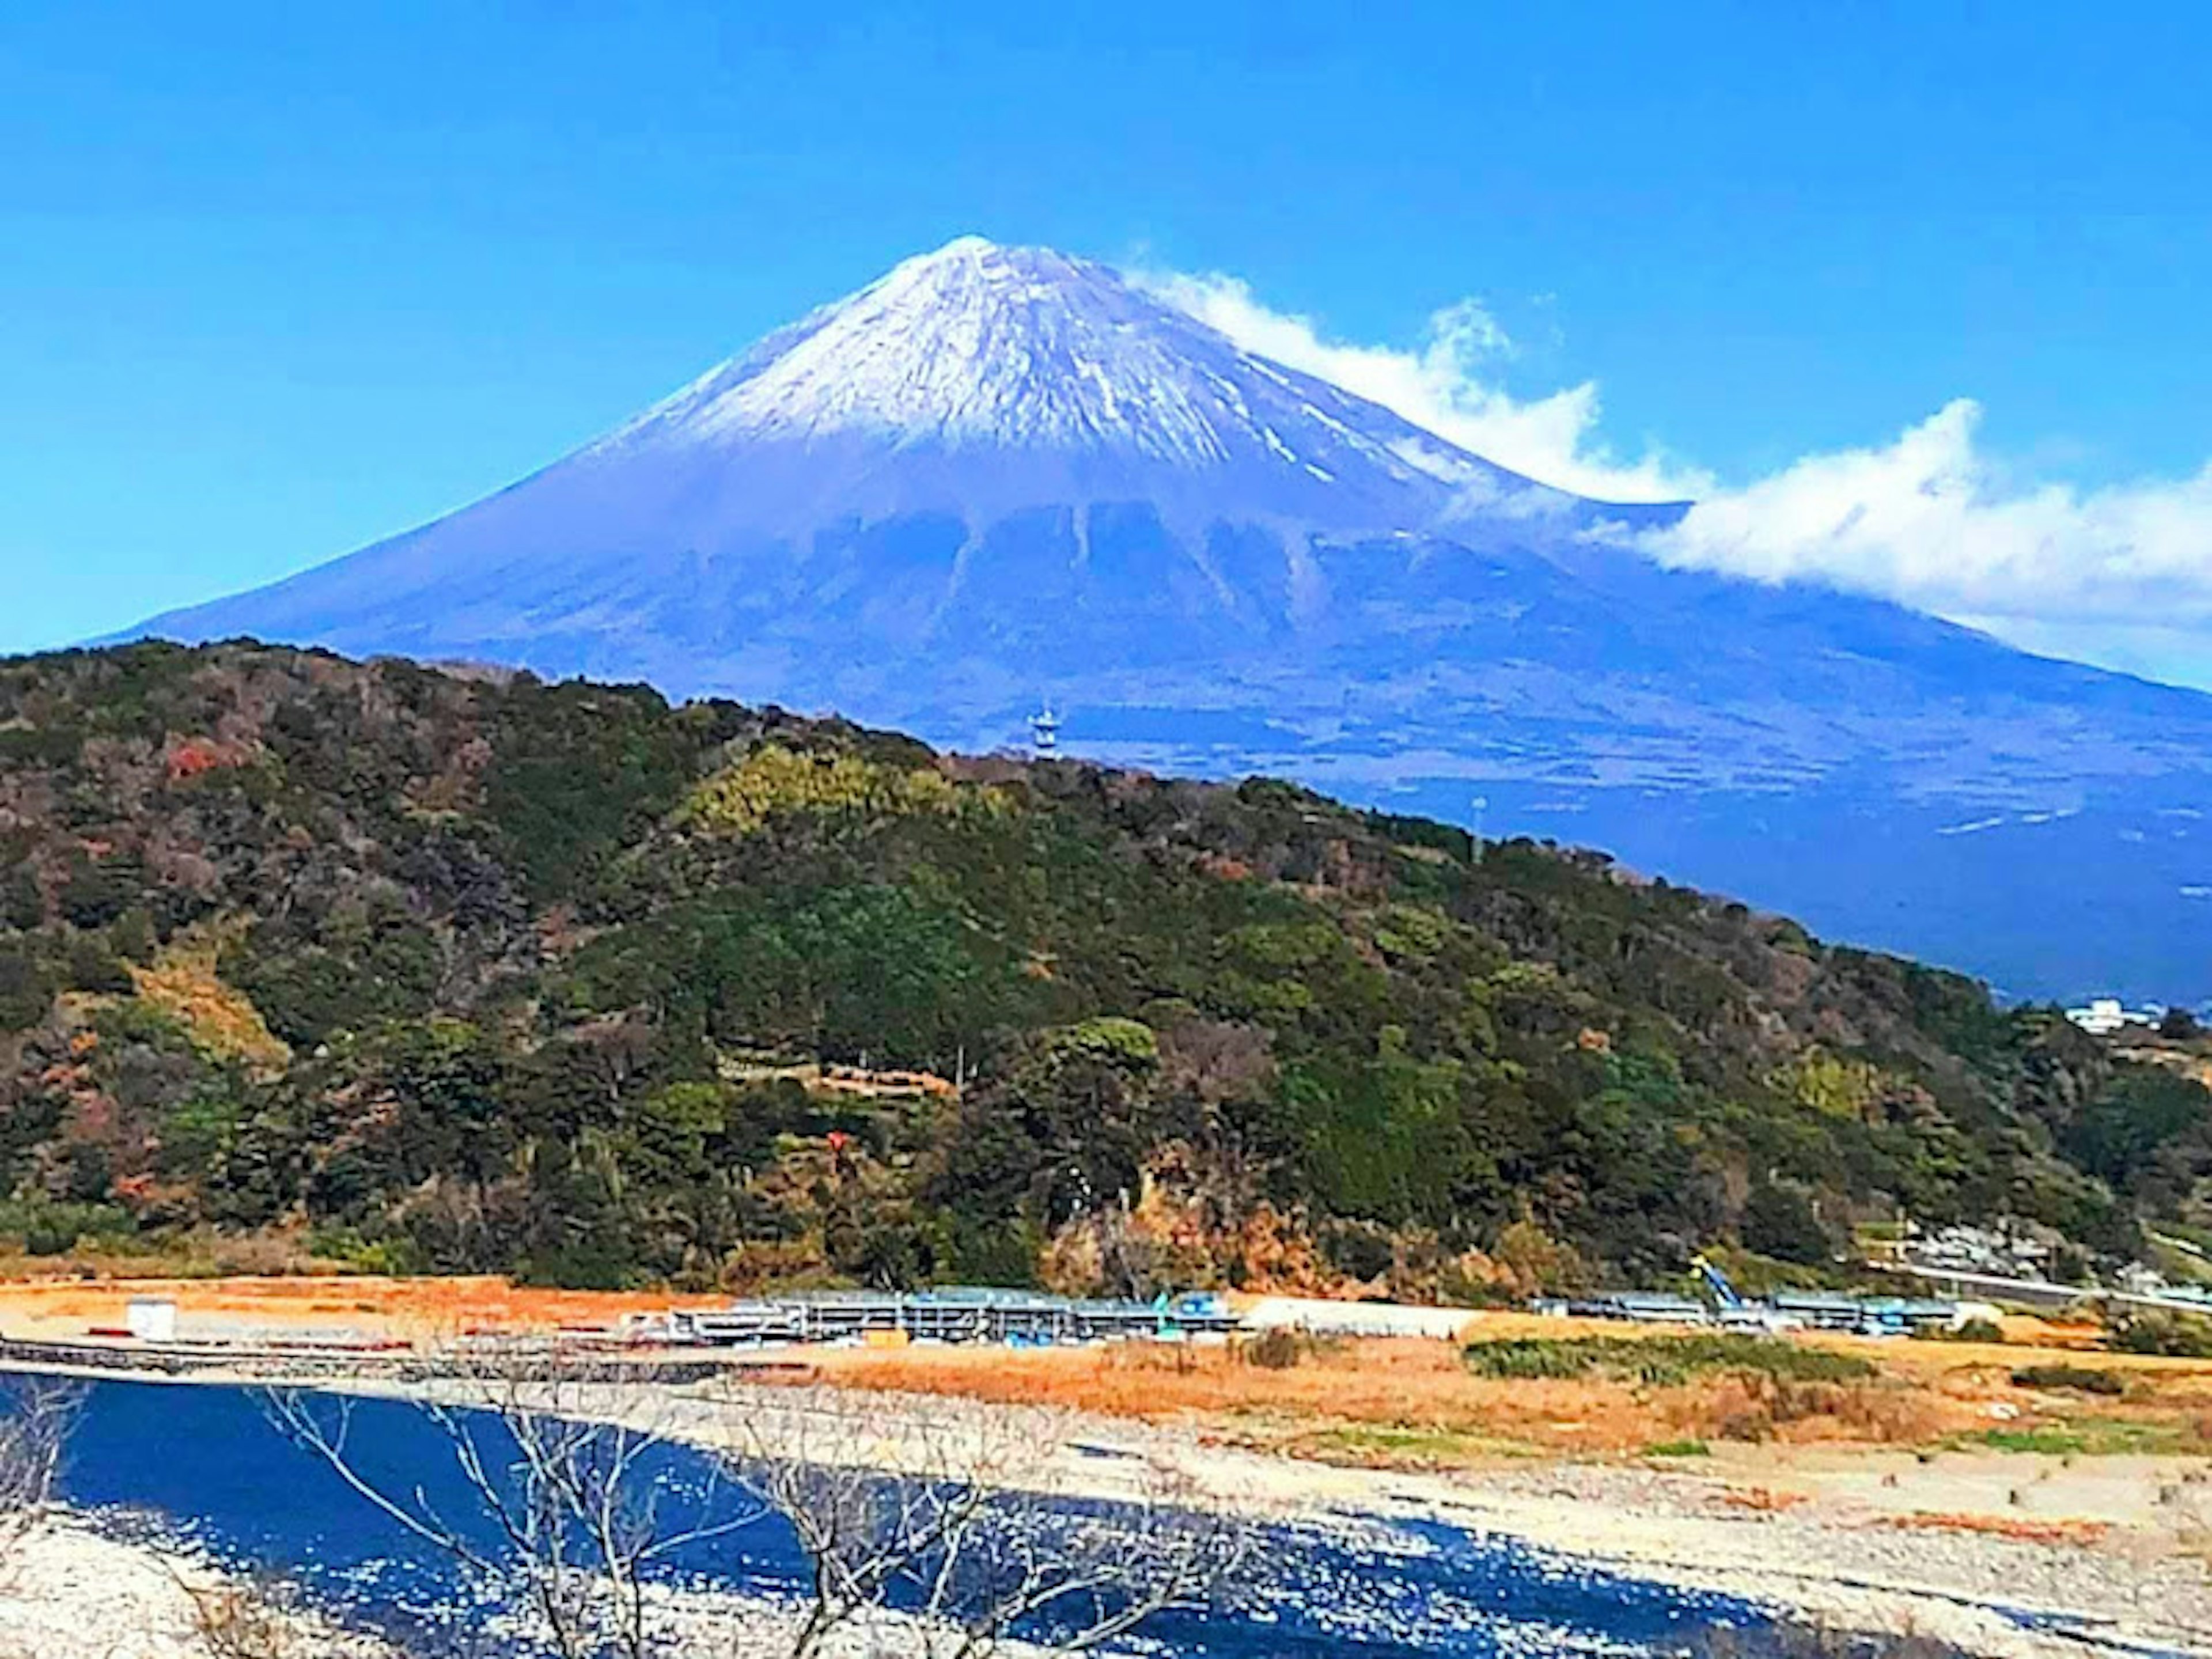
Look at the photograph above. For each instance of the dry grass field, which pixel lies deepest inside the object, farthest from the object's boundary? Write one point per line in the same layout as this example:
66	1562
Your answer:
413	1309
1894	1479
1401	1403
1407	1403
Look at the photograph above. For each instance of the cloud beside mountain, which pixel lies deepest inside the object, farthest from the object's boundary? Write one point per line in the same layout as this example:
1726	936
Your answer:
1933	520
1444	385
2120	576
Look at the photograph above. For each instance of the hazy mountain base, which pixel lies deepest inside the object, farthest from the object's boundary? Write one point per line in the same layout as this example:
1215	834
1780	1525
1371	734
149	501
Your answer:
1892	778
440	973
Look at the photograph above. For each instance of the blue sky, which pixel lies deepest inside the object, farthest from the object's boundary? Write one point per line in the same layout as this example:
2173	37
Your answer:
278	280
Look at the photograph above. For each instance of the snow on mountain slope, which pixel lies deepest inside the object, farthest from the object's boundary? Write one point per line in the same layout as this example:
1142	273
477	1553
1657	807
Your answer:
1000	475
982	347
1007	440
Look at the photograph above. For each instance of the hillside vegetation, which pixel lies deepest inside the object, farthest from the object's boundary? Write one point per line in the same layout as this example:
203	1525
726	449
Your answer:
434	971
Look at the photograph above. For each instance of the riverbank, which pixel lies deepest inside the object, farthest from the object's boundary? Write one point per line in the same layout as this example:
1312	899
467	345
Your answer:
1932	1486
72	1589
1917	1557
1922	1487
2036	1592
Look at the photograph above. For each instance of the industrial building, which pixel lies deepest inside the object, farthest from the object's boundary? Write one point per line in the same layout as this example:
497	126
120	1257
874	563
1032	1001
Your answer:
1013	1318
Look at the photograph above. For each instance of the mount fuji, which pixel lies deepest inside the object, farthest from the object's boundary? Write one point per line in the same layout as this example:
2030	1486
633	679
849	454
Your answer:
998	478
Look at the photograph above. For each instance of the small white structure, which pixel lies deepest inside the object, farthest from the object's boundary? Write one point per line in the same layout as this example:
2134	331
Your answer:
2104	1016
151	1319
1044	732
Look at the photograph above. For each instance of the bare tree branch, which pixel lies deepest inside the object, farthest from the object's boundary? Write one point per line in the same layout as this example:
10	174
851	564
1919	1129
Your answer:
565	1521
920	1522
37	1414
968	1536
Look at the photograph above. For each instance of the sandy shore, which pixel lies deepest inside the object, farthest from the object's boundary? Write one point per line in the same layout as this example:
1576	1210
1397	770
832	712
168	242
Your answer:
71	1589
1835	1561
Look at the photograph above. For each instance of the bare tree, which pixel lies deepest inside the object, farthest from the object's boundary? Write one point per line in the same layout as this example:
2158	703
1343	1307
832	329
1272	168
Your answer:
925	1526
37	1413
227	1620
264	1615
945	1517
561	1518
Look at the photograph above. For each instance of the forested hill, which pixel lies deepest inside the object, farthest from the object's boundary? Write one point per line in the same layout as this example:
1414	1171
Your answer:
438	971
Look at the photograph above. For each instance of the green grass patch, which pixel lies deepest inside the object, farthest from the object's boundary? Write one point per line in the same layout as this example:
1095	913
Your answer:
44	1227
2177	1336
1662	1361
1984	1331
1678	1449
2088	1436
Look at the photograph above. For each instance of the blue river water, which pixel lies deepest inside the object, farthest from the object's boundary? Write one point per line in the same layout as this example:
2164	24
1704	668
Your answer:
211	1465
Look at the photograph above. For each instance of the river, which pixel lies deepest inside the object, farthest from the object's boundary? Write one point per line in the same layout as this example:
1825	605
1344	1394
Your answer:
208	1464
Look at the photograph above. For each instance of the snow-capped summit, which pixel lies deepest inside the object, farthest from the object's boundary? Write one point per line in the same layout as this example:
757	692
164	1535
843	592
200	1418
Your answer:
1002	476
974	345
986	441
980	346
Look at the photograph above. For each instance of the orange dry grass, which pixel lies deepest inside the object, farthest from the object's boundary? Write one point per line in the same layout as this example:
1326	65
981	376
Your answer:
1402	1401
417	1307
183	983
2003	1526
1763	1500
1372	1382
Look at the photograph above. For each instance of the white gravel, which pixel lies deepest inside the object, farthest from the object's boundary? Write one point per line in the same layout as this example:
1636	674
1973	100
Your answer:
69	1591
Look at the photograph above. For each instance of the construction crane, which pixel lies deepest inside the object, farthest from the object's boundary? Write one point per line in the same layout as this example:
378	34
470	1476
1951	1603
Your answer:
1723	1292
1736	1311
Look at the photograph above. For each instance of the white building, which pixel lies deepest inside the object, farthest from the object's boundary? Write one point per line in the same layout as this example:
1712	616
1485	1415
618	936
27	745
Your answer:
2104	1016
151	1319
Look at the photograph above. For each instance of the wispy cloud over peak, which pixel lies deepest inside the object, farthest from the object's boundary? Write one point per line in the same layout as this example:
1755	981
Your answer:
2119	575
1448	383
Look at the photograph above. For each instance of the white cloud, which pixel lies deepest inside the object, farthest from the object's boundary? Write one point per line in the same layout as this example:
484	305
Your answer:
2122	574
1448	386
2119	575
